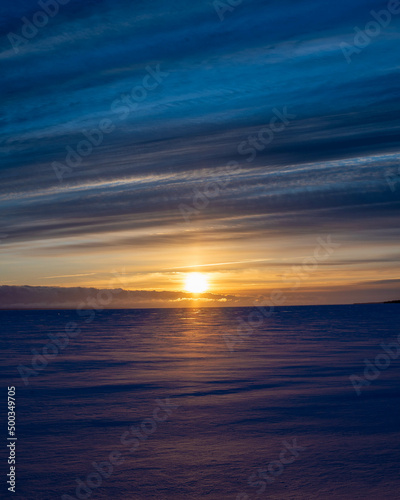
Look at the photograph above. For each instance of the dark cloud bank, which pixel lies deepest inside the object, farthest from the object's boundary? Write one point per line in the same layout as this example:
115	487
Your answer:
29	297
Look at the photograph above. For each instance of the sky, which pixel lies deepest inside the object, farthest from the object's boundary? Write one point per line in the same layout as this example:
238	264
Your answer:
156	139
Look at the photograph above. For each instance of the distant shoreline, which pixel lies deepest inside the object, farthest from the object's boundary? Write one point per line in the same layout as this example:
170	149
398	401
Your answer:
69	308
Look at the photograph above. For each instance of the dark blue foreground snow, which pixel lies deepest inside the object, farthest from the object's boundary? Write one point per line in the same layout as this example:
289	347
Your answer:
152	404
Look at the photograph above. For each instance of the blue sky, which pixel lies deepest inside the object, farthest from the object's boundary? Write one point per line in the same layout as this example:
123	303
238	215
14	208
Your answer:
325	173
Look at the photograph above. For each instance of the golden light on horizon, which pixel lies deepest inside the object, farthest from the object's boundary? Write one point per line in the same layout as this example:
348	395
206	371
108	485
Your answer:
196	283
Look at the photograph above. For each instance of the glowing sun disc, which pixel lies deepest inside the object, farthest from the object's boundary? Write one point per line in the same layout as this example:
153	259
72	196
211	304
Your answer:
196	283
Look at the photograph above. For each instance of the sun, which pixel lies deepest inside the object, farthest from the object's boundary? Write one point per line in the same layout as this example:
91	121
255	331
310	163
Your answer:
196	283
